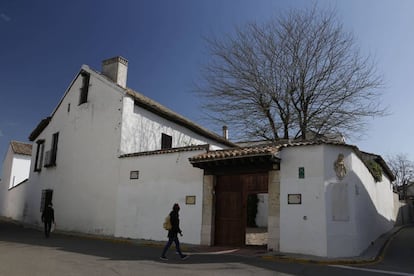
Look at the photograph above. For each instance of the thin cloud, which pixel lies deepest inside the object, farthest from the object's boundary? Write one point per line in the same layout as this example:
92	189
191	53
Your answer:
5	17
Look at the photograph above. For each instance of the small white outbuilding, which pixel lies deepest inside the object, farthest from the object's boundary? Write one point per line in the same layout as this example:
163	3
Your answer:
15	173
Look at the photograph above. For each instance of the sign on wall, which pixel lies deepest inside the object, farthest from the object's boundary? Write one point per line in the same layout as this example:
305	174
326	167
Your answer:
301	172
190	200
294	198
134	175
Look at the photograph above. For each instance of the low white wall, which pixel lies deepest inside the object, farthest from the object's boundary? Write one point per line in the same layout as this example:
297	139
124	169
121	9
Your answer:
337	217
303	226
5	180
142	204
16	169
340	209
372	209
14	204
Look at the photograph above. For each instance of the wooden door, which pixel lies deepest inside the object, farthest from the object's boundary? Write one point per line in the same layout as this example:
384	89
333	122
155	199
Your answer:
231	204
230	211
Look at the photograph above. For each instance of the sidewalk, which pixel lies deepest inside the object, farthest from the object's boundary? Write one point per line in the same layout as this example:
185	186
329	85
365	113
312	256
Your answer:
373	254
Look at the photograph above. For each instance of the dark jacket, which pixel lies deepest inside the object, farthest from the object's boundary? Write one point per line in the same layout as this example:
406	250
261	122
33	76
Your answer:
175	224
48	214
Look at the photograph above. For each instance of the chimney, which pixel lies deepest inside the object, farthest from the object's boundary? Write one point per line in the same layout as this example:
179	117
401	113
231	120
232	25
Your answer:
116	69
225	133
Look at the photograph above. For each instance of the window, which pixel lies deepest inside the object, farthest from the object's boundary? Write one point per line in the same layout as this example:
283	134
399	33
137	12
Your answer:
50	158
54	147
39	155
85	87
166	141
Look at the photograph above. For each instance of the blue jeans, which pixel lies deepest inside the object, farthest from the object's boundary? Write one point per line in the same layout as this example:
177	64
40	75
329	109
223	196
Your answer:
168	244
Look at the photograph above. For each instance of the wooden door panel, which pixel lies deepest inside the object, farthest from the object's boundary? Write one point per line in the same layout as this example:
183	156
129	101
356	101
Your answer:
229	211
231	204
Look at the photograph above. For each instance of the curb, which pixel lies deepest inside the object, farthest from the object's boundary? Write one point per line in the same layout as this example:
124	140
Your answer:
378	258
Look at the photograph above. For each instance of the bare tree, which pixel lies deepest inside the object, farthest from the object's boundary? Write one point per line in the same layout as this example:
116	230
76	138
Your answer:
403	169
299	74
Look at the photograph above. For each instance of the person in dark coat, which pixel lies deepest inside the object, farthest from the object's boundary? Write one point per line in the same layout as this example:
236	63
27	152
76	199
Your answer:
48	217
173	234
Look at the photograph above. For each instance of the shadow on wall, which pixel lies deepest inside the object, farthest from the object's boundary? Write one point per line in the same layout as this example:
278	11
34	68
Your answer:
405	214
357	214
143	130
13	201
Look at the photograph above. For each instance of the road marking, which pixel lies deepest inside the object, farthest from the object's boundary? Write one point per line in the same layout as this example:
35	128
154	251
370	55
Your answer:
374	270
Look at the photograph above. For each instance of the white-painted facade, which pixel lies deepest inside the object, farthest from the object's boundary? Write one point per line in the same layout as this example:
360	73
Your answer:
336	217
143	203
92	189
142	130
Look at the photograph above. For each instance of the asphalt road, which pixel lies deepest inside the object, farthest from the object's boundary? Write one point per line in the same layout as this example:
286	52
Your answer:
25	251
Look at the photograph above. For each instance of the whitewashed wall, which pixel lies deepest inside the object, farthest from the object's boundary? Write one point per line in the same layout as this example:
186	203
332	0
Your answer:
20	169
142	204
339	197
13	204
372	210
92	192
142	130
5	180
343	216
303	226
16	169
86	176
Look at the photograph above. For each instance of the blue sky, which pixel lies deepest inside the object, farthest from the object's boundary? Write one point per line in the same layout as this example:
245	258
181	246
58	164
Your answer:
43	44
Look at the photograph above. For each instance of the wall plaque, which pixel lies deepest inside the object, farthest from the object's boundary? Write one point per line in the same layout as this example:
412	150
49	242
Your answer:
190	200
134	175
294	198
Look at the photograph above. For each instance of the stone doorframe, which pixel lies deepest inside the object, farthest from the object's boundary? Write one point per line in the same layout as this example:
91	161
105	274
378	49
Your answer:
208	205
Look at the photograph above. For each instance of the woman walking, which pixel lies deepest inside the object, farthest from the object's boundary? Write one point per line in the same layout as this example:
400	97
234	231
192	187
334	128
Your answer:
173	234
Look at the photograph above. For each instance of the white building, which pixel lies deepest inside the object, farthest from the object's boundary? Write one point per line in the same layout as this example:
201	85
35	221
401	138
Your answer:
114	161
15	172
326	198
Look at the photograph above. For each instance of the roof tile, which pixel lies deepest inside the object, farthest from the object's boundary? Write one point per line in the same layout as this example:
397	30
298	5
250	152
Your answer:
21	148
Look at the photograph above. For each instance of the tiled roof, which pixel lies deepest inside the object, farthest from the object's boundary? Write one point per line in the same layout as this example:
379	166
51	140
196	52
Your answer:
165	151
260	150
21	148
235	153
366	157
271	149
39	128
